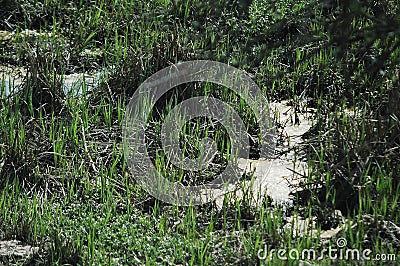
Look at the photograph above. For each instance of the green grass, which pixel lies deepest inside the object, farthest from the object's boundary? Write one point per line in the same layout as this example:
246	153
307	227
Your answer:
66	188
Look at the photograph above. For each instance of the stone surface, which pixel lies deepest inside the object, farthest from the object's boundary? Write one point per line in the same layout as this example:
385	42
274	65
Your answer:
13	78
300	227
5	37
13	251
276	177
